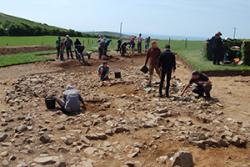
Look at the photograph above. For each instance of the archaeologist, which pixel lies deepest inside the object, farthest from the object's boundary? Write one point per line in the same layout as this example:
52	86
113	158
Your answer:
68	45
62	48
119	44
203	85
58	44
79	50
153	55
132	44
139	43
71	102
167	65
147	43
124	48
101	48
103	71
218	48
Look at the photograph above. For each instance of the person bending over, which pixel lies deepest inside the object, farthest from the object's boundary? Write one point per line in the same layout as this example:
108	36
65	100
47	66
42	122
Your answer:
103	71
167	65
203	85
71	102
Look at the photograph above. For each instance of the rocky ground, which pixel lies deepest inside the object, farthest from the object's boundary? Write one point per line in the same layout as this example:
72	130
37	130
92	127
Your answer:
124	124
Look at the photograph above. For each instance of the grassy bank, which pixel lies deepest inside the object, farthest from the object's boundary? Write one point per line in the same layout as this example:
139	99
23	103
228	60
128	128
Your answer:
24	58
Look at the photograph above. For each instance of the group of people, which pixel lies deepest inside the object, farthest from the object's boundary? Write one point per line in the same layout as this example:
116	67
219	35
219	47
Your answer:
67	43
122	45
164	63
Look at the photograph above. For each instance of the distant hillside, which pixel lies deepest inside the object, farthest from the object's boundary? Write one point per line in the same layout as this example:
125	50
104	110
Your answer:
107	34
15	26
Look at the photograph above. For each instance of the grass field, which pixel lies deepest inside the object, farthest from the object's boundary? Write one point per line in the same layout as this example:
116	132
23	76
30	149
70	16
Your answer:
24	58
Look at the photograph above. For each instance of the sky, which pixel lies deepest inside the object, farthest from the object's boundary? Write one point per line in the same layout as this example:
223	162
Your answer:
190	18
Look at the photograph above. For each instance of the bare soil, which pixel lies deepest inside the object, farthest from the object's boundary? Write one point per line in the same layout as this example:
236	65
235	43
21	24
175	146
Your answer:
22	49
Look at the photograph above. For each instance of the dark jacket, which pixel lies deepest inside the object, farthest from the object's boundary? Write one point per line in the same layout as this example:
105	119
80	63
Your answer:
167	61
217	44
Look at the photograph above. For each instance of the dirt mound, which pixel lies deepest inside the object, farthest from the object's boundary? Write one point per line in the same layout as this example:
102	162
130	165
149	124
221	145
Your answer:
23	49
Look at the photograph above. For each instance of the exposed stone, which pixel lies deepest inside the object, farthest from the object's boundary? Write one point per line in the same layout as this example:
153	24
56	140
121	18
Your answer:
46	160
21	128
97	136
182	159
45	139
3	136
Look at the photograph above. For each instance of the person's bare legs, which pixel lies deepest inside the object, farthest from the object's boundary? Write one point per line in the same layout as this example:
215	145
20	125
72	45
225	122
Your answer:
59	101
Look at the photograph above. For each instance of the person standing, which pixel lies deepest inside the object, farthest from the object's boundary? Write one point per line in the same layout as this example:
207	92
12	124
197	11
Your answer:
119	44
147	43
167	65
217	46
62	48
101	48
139	43
132	44
58	44
153	55
68	45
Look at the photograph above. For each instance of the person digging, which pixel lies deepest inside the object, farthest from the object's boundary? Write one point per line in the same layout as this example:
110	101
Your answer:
71	102
203	85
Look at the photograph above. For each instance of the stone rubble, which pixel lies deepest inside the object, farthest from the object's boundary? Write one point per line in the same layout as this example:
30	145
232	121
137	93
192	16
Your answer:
29	129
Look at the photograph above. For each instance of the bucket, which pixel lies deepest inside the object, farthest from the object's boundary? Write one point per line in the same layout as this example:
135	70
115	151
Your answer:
50	103
144	69
118	75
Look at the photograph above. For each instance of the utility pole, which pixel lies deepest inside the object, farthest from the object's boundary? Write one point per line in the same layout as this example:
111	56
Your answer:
121	30
235	29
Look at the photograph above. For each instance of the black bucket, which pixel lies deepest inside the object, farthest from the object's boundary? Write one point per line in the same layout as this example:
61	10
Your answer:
118	75
144	69
50	103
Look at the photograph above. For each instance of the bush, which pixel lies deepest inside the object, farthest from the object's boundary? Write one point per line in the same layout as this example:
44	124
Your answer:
246	52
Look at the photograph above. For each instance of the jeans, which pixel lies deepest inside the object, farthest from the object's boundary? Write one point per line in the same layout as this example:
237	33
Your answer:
203	89
139	47
69	52
167	74
58	52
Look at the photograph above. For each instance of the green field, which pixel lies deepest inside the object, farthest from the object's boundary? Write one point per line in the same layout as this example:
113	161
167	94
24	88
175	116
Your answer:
24	58
193	54
90	43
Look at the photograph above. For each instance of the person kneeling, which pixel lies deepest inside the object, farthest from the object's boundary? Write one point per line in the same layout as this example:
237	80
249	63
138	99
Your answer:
203	85
103	71
71	102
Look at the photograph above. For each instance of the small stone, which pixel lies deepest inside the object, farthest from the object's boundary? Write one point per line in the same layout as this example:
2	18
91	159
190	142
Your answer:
21	128
5	163
90	150
3	136
47	160
45	139
68	141
12	158
162	159
98	136
182	159
134	153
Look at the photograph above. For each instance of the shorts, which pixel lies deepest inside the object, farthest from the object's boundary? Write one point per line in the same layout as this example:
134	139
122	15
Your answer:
153	67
